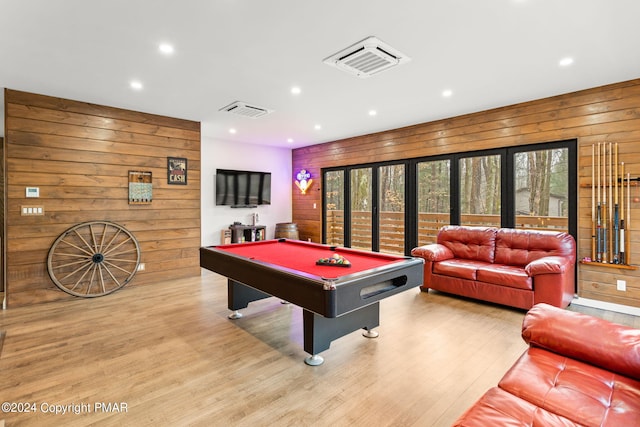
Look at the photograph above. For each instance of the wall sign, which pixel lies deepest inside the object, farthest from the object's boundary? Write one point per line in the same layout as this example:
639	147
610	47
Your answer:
140	188
303	181
176	171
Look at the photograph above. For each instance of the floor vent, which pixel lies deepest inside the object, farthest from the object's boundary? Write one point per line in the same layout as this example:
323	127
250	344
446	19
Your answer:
246	110
366	58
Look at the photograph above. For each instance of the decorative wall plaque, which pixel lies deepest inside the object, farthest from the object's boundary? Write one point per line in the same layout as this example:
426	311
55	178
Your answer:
176	171
140	188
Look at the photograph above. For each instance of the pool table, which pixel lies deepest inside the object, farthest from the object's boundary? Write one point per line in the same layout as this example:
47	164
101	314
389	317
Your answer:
336	299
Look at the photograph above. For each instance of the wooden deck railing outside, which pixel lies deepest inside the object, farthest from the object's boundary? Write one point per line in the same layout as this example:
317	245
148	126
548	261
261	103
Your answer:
392	227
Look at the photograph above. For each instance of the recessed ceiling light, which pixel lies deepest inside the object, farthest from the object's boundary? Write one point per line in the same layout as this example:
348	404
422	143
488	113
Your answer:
296	90
232	130
373	112
290	140
317	127
166	48
136	85
565	62
447	93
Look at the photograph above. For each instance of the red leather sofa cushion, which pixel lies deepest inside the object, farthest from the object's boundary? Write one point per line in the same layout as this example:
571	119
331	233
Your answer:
573	389
505	275
462	268
608	345
477	246
500	408
520	247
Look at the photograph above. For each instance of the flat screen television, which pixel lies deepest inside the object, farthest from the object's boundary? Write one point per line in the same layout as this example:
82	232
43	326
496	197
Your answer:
242	189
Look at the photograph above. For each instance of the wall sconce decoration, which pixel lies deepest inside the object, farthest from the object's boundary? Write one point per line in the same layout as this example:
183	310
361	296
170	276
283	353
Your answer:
303	181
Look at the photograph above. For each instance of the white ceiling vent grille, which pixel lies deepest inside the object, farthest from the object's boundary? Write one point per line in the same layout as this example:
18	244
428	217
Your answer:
367	57
246	110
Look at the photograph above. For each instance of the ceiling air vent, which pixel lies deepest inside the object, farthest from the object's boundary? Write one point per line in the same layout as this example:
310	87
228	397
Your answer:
246	110
367	57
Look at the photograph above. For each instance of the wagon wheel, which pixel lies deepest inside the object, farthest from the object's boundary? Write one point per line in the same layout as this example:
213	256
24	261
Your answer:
93	258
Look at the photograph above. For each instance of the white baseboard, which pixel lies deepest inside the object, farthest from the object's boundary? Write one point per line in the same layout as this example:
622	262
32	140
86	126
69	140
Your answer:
618	308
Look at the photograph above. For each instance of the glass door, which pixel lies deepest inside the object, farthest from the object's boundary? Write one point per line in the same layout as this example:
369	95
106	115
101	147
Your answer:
433	201
391	212
334	207
480	190
361	214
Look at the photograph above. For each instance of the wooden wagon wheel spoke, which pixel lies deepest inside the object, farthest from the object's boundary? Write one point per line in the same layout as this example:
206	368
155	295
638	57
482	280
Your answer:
106	252
107	264
88	252
93	259
87	244
115	236
69	264
86	265
105	268
84	256
104	236
90	268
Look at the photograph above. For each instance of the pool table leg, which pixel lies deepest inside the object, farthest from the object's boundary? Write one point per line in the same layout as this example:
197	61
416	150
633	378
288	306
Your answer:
240	295
319	331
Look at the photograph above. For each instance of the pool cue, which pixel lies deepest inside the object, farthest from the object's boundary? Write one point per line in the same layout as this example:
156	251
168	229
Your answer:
616	213
610	216
599	213
593	202
605	249
628	248
622	223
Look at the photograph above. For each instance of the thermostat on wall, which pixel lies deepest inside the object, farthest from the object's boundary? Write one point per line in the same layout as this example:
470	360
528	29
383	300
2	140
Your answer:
32	192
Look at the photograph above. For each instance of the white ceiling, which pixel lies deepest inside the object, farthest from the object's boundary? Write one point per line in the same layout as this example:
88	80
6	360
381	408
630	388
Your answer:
489	53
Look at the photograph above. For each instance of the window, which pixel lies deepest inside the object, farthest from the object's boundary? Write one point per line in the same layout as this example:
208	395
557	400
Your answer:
434	204
395	206
480	190
541	189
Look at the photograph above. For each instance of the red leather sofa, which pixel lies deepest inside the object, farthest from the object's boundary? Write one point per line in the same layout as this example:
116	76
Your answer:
514	267
578	371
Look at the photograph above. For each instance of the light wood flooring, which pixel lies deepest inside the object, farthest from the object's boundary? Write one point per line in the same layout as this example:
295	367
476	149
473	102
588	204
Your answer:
169	354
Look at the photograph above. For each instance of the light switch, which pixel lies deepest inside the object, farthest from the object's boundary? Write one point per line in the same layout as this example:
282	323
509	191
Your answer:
31	210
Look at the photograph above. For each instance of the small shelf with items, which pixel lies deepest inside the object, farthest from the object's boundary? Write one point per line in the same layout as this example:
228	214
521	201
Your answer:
606	265
241	233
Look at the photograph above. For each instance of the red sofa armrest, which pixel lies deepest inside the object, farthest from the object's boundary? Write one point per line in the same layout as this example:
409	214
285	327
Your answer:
433	252
590	339
548	265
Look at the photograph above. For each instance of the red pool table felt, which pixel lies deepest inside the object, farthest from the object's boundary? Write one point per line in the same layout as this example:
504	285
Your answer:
302	256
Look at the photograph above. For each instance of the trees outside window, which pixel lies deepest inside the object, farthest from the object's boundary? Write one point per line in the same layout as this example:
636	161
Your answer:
434	198
480	190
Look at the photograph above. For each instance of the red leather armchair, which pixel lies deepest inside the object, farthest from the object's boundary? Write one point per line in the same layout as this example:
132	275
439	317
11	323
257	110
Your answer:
507	266
578	371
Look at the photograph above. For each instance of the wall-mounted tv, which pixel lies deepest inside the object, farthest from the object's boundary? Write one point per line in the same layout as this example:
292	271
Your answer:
242	189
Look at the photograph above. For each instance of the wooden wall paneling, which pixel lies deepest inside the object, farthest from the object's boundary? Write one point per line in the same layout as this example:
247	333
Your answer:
79	155
609	113
2	211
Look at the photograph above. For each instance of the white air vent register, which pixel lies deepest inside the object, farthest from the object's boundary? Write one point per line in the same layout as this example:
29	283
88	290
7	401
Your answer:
367	57
246	110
